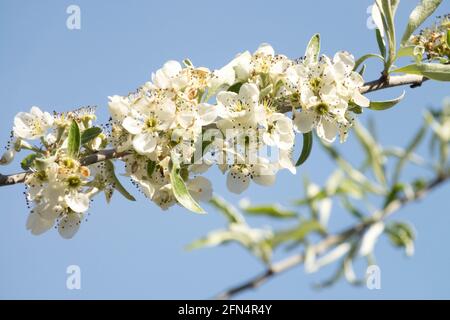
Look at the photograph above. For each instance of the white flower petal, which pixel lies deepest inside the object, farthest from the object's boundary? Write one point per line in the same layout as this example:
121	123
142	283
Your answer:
77	201
69	225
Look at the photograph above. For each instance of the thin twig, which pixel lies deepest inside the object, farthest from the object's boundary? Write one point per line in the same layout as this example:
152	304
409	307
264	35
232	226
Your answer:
324	245
382	83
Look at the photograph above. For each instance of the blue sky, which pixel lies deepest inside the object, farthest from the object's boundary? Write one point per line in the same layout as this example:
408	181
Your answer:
134	250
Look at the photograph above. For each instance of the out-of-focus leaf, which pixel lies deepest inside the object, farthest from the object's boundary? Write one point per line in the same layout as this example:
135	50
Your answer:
313	48
228	210
423	10
373	151
272	210
297	234
407	154
393	194
401	234
306	149
435	71
116	182
181	192
74	140
383	105
346	203
352	173
255	240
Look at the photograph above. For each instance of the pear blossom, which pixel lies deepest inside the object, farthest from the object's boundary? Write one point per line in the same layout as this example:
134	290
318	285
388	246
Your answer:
32	125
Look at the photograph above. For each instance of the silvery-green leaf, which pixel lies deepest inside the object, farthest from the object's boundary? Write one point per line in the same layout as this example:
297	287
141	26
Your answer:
435	71
383	105
74	140
306	148
365	57
181	192
116	182
89	134
423	10
272	210
227	209
313	49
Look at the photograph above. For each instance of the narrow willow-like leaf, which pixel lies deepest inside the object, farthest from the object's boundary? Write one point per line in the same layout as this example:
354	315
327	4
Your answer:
380	42
181	192
313	48
435	71
306	149
296	234
151	166
448	38
272	210
383	105
387	11
423	10
228	210
74	140
236	87
407	51
408	152
373	152
89	134
116	182
365	57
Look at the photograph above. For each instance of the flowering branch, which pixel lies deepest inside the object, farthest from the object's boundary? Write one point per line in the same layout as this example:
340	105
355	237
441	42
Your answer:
102	155
333	240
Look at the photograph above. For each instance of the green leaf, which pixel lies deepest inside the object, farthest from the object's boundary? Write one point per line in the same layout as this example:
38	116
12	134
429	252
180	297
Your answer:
306	149
423	10
381	44
255	240
74	140
407	51
408	152
89	134
235	87
448	38
297	234
373	152
28	161
228	210
181	192
365	57
401	235
313	49
116	182
151	165
435	71
272	210
384	105
387	10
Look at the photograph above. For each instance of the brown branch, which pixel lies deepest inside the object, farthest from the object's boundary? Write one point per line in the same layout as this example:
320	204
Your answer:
324	245
382	83
7	180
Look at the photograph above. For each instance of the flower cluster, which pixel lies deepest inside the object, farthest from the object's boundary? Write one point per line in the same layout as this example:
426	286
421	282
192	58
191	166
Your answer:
182	122
433	41
58	186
